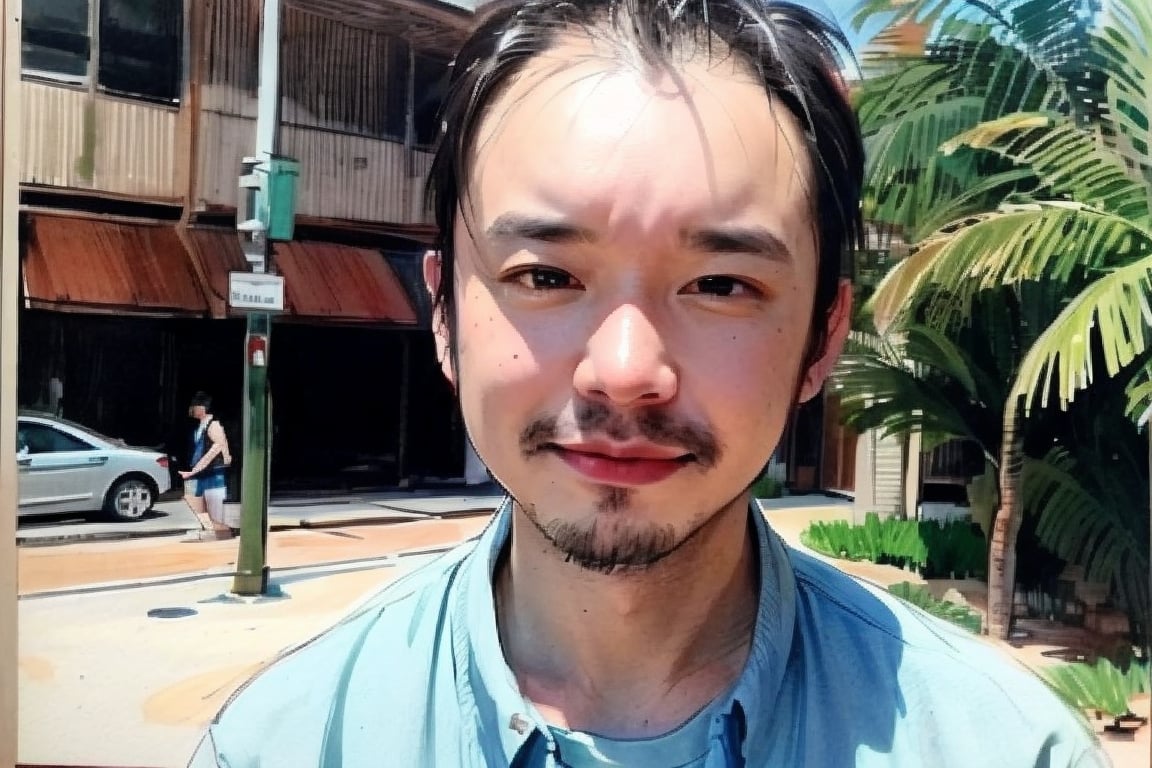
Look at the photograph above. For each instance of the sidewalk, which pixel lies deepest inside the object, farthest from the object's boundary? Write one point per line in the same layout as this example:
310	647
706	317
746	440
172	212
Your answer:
81	566
104	683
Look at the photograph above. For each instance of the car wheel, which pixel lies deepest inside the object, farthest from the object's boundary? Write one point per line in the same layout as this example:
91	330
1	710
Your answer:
130	498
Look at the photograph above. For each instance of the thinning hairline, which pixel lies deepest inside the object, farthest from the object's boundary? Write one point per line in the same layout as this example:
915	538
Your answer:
571	34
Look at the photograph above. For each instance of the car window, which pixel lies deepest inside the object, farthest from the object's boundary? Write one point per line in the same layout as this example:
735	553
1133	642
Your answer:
43	439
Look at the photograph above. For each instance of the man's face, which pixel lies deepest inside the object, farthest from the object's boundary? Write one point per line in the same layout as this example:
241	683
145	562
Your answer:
197	411
635	270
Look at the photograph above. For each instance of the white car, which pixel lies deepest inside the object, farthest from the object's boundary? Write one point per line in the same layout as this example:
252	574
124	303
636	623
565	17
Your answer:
64	467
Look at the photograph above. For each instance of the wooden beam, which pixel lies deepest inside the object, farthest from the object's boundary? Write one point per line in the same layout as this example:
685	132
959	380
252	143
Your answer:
9	297
433	28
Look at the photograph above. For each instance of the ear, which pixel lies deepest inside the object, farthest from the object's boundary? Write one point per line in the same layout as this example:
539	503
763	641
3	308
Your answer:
433	264
839	323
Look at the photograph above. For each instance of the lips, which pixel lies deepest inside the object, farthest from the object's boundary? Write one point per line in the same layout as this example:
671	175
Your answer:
633	465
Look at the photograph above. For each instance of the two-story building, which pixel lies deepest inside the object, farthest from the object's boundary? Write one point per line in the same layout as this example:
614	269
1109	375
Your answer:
136	116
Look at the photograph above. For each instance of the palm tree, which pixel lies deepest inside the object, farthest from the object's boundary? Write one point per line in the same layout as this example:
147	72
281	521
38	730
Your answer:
1015	150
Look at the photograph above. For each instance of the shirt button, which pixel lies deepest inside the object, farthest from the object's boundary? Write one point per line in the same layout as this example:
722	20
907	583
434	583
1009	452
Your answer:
520	724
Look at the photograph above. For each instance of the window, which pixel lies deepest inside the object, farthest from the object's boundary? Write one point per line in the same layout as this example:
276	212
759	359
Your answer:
38	438
429	84
140	45
396	95
55	39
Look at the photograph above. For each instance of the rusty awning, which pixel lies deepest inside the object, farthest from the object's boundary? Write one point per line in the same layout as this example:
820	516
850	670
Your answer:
327	280
216	251
323	281
89	265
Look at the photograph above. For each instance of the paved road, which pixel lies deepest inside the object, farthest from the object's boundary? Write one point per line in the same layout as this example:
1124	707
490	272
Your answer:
172	518
167	519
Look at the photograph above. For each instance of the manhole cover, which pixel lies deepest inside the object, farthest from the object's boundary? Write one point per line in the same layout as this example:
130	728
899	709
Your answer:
171	613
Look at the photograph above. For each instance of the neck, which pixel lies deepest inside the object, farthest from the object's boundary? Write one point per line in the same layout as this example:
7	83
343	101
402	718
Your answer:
629	654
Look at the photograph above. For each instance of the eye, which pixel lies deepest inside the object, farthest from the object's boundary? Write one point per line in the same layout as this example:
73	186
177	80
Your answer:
720	285
545	279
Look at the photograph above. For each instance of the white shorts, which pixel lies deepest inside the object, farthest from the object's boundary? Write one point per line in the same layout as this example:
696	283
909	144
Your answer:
213	501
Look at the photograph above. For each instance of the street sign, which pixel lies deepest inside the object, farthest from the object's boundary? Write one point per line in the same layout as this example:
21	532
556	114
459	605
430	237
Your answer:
255	290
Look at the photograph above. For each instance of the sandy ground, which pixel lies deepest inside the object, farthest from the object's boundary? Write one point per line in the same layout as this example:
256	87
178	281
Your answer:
1135	752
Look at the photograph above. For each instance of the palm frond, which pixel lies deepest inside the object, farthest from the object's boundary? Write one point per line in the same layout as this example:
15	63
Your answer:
1050	241
1112	313
924	382
1044	37
1069	161
1080	525
1123	40
978	196
906	117
1138	394
897	290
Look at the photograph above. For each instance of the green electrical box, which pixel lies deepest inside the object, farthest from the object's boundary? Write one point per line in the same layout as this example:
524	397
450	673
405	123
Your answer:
278	208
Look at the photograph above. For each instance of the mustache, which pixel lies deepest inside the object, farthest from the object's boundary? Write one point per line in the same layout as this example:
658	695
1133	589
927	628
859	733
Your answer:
657	426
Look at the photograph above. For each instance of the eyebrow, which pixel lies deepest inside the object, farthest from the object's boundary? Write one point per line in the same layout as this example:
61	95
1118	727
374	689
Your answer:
519	226
719	239
738	239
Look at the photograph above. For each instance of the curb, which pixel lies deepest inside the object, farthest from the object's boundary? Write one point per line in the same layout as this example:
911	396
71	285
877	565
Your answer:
75	538
396	516
379	561
385	517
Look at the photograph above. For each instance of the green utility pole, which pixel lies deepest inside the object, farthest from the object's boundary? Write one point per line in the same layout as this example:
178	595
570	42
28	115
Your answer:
255	292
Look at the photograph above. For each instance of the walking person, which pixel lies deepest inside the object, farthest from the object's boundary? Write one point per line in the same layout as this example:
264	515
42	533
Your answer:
205	482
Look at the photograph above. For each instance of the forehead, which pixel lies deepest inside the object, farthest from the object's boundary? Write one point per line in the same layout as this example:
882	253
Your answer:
585	132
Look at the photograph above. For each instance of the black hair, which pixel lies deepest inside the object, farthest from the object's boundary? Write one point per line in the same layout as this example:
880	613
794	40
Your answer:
202	398
795	52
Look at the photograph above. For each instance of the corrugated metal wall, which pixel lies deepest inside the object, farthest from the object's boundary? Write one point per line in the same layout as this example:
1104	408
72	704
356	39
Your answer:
72	139
231	57
136	149
341	176
351	177
336	112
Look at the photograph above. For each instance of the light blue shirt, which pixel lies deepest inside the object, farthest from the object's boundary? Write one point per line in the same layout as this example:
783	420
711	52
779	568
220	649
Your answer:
839	674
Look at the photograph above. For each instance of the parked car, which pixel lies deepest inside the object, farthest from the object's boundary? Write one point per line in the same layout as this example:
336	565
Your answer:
66	467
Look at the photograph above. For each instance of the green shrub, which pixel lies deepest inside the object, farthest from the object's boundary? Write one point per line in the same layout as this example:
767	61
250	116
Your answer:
836	539
936	551
766	487
919	596
954	549
1102	686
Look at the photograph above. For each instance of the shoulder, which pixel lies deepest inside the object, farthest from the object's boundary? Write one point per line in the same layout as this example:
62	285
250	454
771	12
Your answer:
946	683
382	664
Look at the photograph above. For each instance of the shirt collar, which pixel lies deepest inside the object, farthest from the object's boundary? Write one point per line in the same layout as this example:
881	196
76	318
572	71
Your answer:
486	683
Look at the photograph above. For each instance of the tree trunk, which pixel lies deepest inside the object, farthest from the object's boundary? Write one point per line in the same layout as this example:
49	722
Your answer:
1002	552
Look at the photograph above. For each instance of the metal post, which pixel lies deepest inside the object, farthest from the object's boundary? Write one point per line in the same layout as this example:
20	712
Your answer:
251	565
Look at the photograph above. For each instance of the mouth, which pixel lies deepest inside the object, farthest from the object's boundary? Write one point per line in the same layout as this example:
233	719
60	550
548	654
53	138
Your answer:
621	465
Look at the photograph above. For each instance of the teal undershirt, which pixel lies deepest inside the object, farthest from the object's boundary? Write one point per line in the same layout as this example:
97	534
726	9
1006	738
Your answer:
683	747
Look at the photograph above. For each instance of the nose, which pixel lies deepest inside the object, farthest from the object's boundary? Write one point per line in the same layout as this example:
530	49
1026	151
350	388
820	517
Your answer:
626	362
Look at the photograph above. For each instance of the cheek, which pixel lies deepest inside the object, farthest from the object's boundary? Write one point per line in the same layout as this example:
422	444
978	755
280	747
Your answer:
748	377
502	360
